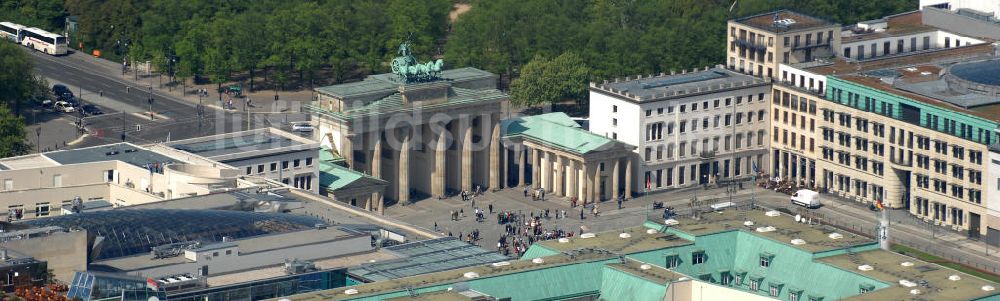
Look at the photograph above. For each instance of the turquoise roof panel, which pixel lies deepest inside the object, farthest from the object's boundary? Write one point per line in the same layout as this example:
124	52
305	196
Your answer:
555	129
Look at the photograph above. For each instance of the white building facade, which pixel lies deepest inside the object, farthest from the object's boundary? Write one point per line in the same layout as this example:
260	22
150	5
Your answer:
691	128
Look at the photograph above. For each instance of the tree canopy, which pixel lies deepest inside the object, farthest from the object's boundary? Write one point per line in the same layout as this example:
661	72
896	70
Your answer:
550	80
342	40
18	85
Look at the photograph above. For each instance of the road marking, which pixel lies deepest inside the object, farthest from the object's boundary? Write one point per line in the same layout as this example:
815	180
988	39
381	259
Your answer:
78	139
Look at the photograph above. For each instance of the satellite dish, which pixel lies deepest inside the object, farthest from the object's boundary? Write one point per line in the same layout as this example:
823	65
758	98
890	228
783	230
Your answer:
154	298
798	218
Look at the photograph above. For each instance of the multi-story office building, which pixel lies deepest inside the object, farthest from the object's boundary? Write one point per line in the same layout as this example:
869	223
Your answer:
910	130
758	43
690	128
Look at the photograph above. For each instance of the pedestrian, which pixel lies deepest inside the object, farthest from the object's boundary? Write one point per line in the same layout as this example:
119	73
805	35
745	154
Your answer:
435	226
581	213
491	208
461	212
619	203
525	191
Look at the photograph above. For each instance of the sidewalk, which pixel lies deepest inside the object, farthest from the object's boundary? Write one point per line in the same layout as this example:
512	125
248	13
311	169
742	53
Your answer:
263	100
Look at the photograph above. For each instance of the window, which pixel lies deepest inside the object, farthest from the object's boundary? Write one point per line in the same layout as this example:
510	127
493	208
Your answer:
296	163
649	113
614	109
284	164
260	168
56	180
774	290
765	261
754	284
697	257
673	261
614	121
215	254
42	209
793	296
229	252
249	170
659	111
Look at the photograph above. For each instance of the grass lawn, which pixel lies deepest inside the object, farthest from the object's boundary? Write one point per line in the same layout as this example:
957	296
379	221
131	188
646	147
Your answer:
943	262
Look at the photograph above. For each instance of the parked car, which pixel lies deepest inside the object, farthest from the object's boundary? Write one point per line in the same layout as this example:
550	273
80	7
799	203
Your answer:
61	92
90	110
46	103
302	127
64	107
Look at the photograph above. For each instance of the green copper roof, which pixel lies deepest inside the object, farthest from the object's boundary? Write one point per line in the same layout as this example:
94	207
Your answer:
555	129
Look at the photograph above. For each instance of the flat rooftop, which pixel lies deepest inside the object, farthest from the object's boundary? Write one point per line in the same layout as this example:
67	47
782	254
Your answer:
665	86
932	280
454	276
650	272
264	243
228	145
638	240
783	21
934	93
934	56
124	152
896	25
444	296
785	229
275	271
426	256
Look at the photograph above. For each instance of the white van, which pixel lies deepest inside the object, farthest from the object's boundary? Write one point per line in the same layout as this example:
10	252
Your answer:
806	198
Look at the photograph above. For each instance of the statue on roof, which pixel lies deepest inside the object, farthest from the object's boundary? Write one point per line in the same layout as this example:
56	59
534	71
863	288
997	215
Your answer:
409	70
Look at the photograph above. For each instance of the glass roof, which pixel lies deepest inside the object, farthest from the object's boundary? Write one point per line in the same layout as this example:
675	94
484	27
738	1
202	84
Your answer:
135	231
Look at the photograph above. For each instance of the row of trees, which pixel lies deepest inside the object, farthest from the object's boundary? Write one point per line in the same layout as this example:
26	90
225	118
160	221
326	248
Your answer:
343	40
615	38
293	39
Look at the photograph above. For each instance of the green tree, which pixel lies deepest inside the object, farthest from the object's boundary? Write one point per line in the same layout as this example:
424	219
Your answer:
12	134
19	85
548	81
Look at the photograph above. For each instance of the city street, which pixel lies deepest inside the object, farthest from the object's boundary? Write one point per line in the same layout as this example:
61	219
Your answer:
124	101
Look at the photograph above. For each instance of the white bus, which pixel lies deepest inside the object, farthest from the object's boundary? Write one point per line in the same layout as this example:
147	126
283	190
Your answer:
44	41
11	31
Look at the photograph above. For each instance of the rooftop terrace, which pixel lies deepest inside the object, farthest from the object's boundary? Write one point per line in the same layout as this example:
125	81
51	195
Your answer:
636	240
781	228
783	21
932	282
896	25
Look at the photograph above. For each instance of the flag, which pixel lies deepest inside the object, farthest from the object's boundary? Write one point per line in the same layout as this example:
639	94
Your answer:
878	204
648	184
731	7
755	170
151	284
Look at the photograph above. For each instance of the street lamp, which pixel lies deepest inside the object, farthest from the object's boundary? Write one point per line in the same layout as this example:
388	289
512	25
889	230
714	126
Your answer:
38	139
150	100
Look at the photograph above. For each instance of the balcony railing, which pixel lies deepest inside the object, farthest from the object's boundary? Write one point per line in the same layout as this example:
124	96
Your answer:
707	154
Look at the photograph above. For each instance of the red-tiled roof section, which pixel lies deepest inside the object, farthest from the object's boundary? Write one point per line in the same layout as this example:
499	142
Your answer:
990	112
898	25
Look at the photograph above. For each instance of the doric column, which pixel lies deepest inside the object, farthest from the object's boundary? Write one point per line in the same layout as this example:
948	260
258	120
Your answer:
597	182
346	149
495	157
628	177
614	180
376	172
588	181
536	168
466	129
404	168
560	173
438	175
521	166
545	170
572	177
